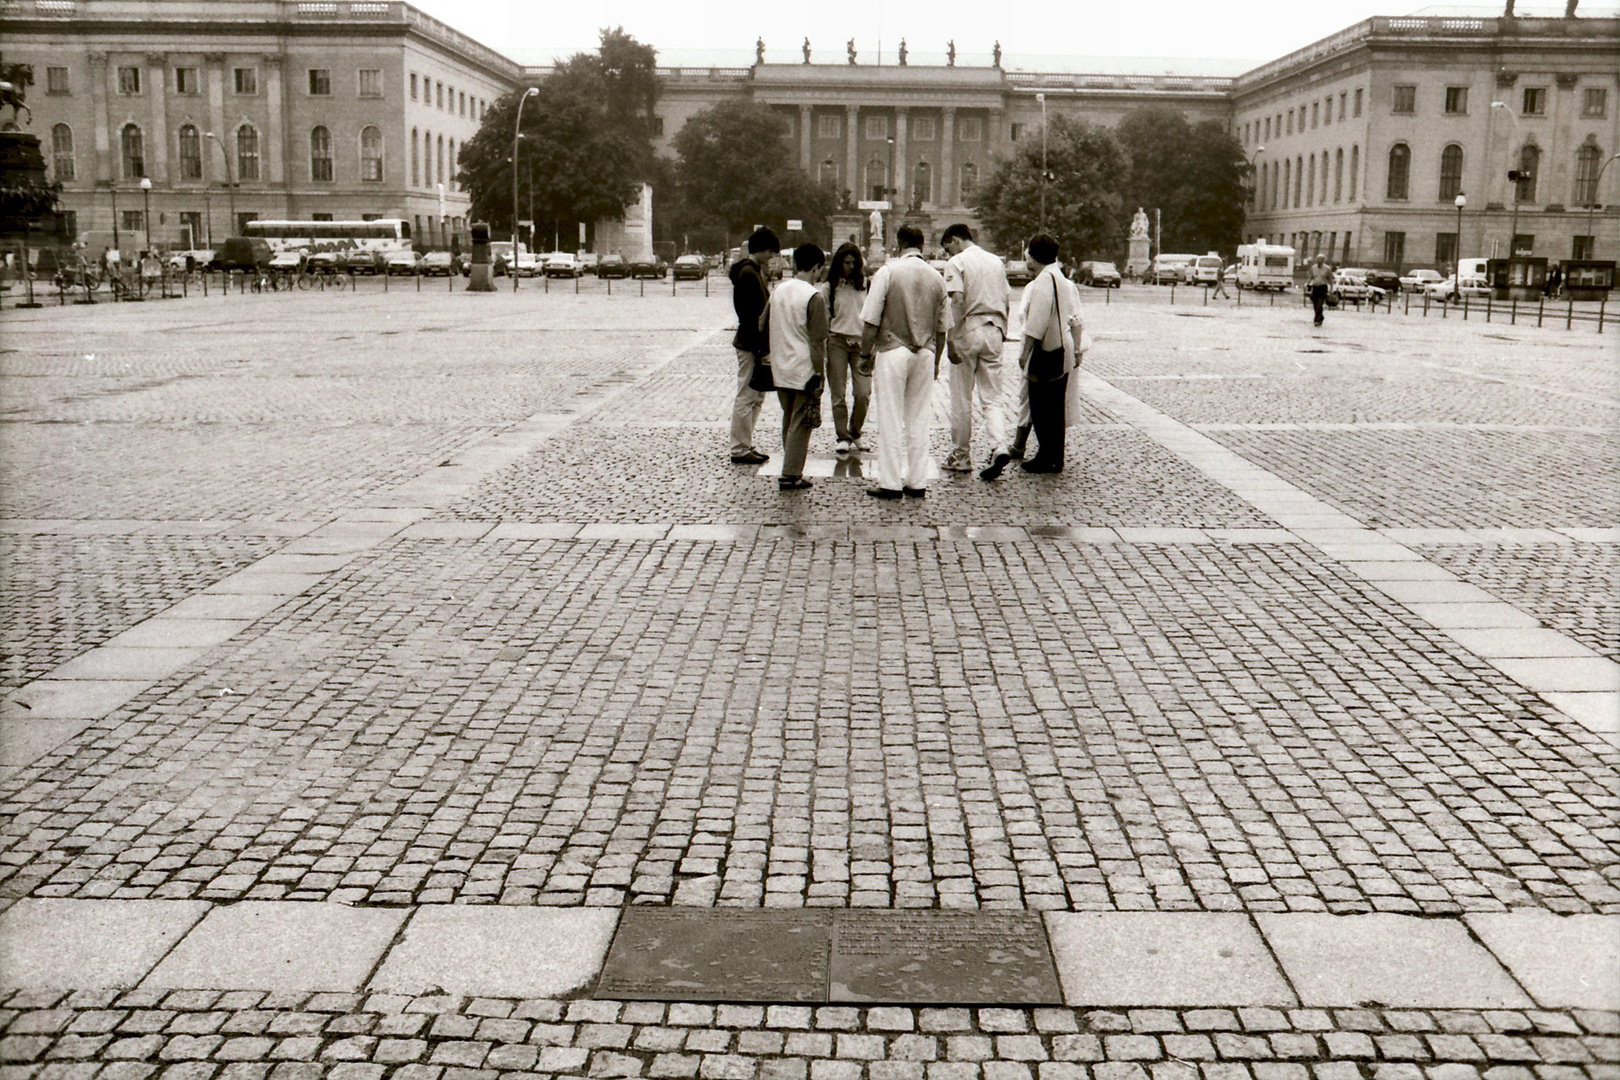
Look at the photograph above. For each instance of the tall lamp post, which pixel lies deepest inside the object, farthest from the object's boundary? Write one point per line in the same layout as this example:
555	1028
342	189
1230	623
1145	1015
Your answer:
1514	176
230	182
1591	204
1257	193
146	217
517	123
1041	97
112	189
1461	201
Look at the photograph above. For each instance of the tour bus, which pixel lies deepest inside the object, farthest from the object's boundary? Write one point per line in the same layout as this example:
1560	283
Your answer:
1168	268
1265	266
365	244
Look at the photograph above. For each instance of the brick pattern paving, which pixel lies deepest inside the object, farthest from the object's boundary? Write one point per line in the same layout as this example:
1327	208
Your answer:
252	1035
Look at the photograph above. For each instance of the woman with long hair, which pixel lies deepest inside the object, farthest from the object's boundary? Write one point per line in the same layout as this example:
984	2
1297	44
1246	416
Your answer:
845	292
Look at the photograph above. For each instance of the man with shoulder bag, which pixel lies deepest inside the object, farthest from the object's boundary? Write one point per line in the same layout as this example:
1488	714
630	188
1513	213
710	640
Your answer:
750	293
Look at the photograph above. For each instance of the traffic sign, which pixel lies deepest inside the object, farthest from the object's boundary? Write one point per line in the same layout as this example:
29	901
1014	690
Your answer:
795	225
874	204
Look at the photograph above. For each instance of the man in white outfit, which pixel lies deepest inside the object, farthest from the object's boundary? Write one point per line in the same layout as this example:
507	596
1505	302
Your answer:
976	283
906	317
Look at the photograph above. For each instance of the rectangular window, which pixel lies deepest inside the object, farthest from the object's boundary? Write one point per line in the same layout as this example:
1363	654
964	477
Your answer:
1445	248
129	80
247	80
413	86
186	81
828	126
1524	243
923	128
1595	101
1395	249
968	129
370	82
1535	101
1580	248
70	222
1456	100
462	99
1405	100
1341	105
440	93
132	220
1268	128
320	82
1358	103
191	225
1316	114
1327	113
1016	131
1290	121
320	217
244	218
877	127
56	81
658	127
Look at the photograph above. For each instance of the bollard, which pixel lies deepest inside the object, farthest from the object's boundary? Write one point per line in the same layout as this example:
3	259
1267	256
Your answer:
1443	308
1273	298
1541	309
1570	318
1172	294
1603	302
386	276
1465	307
1513	317
705	285
418	282
1406	303
1107	292
1206	296
1425	305
643	286
1489	304
672	283
610	287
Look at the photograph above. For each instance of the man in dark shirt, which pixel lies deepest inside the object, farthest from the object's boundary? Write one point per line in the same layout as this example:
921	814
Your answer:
749	295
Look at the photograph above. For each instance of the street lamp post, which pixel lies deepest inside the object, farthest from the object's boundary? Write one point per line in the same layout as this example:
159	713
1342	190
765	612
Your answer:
517	123
1461	201
112	188
1041	97
1257	194
230	181
1514	176
1591	204
146	217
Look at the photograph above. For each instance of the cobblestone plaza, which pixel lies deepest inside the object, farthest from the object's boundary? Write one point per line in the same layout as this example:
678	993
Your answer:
369	657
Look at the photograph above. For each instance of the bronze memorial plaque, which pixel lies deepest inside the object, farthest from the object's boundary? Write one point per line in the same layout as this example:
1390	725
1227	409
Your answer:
942	958
718	954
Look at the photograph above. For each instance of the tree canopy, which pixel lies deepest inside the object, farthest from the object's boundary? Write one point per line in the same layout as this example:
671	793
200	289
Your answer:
1085	206
735	169
1194	174
586	145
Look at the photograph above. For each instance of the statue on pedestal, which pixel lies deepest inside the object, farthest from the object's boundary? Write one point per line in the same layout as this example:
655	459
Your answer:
850	45
878	238
950	53
807	50
1140	260
902	52
1139	224
759	50
996	53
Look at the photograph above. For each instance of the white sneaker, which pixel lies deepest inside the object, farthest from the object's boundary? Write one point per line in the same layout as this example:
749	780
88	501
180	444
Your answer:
841	446
958	463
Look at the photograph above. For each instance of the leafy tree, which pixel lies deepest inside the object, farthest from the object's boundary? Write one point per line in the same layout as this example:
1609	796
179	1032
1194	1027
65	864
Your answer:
1194	174
735	170
1085	206
587	140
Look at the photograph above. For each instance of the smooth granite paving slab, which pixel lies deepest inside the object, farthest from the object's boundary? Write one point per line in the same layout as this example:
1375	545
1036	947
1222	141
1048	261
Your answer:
941	958
165	632
1131	958
48	943
231	606
1474	616
1564	961
729	954
488	951
25	739
114	662
1396	960
1563	674
1598	712
254	581
1504	643
72	699
280	945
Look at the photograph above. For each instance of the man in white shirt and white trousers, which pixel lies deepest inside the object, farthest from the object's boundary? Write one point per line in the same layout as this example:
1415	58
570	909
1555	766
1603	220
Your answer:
976	283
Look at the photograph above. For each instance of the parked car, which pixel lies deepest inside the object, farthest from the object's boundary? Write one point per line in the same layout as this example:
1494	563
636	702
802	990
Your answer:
1476	288
361	261
1204	270
613	266
653	268
1350	286
1018	272
1418	280
1100	275
528	264
194	259
245	253
1388	280
438	262
563	264
689	268
320	261
588	261
286	262
1167	269
403	262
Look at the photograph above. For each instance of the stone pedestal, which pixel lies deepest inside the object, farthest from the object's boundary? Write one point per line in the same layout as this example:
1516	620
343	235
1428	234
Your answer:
1139	262
482	275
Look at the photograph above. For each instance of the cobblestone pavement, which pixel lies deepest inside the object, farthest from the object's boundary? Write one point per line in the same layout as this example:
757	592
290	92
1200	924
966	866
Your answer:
415	600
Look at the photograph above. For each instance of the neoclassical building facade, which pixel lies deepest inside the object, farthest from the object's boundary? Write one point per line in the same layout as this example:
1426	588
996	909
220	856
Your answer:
353	108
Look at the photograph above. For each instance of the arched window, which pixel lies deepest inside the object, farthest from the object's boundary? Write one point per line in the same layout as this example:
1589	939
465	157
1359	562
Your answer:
1451	163
828	173
452	161
133	145
922	184
970	183
439	170
1299	180
1400	172
1338	175
1588	160
877	178
1288	176
1529	167
1355	170
371	155
416	158
247	152
190	153
320	154
62	163
1321	198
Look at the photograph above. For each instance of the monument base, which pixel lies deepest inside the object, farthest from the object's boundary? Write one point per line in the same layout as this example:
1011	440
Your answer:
482	279
1139	262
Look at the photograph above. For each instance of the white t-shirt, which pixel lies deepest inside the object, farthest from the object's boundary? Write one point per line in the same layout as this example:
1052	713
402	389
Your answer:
794	327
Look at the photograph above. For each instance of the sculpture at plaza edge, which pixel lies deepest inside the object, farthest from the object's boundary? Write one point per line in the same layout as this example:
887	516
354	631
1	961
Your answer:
14	82
1139	223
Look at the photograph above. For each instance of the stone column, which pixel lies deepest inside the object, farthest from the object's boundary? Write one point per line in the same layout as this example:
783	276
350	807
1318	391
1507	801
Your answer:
1553	186
945	191
1501	146
852	135
157	140
902	197
804	137
273	143
100	91
994	136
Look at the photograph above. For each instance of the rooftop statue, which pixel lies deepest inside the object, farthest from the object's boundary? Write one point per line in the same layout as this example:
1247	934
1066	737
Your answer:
950	53
807	50
759	50
14	82
851	47
997	54
902	52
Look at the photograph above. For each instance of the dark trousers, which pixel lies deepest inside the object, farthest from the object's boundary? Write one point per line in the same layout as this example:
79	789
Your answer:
795	431
1046	414
1318	298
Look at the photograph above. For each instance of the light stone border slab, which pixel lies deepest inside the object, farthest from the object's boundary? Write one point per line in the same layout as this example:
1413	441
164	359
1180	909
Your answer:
280	945
58	944
494	951
1159	958
1565	961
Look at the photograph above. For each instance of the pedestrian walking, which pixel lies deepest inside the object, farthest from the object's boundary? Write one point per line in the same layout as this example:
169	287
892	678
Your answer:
796	328
906	318
749	295
1048	357
845	294
1317	280
976	283
1220	282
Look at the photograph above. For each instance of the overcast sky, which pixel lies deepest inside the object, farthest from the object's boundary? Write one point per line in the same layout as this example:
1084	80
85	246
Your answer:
532	31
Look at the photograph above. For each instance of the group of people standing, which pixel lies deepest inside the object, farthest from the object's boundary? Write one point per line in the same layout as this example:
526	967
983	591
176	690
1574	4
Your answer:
877	344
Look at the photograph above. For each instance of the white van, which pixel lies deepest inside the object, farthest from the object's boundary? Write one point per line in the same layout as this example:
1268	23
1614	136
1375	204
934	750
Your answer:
1167	269
1204	270
1265	266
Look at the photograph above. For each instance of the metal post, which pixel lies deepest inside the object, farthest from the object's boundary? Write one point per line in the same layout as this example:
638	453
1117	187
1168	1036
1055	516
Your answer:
1603	303
1465	308
1591	204
1040	97
230	181
1570	318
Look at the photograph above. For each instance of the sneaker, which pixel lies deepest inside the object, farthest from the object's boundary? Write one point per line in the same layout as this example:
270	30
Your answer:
841	447
997	463
958	462
859	445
